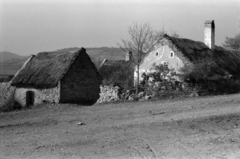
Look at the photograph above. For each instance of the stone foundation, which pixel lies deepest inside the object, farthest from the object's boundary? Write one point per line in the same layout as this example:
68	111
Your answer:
108	94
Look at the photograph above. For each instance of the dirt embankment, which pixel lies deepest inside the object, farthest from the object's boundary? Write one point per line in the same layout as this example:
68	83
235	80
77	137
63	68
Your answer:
193	128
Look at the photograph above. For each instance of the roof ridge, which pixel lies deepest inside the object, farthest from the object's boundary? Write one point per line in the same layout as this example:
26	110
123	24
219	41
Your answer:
76	54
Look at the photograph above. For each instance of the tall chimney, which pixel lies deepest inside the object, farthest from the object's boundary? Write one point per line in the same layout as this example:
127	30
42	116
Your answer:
128	56
209	34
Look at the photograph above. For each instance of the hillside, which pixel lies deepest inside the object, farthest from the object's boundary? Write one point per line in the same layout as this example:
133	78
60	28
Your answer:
99	54
5	56
10	66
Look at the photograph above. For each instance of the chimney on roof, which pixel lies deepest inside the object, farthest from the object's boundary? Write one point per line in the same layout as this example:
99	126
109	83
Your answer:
128	56
209	33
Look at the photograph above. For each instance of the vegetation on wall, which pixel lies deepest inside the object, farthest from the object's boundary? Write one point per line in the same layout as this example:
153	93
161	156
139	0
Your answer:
162	82
199	78
207	77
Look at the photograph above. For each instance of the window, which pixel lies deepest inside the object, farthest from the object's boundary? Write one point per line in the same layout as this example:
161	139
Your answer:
157	53
171	54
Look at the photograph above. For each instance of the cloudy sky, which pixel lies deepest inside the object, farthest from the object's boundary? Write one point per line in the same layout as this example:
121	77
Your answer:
31	26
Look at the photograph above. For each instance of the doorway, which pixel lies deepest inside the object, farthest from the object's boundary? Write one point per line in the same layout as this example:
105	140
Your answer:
29	98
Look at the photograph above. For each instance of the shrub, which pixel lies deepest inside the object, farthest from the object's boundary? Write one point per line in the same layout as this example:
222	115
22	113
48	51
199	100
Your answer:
162	83
160	73
119	73
207	77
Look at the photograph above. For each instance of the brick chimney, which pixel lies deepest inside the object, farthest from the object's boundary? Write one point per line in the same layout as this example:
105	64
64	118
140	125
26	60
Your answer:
209	34
128	56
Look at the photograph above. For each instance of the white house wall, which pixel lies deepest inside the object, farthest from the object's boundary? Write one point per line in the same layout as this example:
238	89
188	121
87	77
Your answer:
163	54
40	95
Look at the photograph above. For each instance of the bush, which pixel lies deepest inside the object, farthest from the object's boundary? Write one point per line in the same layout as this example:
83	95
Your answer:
208	78
10	104
118	74
162	83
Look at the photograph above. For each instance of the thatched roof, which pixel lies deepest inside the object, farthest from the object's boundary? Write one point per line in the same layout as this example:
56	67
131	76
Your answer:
193	50
46	69
107	62
227	59
197	51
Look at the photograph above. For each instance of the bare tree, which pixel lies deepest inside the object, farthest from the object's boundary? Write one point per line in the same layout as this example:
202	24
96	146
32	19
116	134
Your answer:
232	43
143	40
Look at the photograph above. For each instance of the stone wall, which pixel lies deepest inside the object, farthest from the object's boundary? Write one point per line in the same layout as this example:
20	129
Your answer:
5	91
40	95
108	94
81	83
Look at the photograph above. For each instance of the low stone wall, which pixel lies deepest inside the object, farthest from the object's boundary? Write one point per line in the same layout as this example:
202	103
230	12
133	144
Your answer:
108	94
40	95
5	92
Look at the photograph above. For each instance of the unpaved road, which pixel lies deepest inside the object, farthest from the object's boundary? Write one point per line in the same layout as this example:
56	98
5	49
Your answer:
206	127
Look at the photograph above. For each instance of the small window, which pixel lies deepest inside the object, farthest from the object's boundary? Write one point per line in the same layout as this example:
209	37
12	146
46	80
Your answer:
157	53
171	54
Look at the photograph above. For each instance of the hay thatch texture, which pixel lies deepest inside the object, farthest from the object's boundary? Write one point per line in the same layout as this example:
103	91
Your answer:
198	51
45	69
193	50
228	60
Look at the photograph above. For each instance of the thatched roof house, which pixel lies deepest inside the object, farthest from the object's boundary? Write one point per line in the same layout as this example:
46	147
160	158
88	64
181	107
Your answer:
196	51
177	52
66	77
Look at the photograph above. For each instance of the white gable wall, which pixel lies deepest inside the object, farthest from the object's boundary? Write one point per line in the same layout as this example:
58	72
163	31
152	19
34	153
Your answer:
163	54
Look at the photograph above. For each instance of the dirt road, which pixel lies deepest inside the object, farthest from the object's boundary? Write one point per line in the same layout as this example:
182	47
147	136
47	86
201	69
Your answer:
206	127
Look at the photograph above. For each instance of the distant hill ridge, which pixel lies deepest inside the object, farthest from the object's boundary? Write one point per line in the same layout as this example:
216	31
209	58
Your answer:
5	56
97	55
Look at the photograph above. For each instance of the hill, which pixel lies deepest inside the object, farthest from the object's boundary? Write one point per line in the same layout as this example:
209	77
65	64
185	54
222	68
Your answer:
14	63
10	67
10	62
5	56
99	54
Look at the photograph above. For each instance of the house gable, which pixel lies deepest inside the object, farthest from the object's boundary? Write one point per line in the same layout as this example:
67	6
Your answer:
81	83
44	70
165	53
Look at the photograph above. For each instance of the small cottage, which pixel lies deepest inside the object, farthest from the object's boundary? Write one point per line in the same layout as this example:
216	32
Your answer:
177	52
57	77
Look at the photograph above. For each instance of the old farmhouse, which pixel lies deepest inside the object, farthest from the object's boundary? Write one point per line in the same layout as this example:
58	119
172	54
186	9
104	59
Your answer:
58	77
177	52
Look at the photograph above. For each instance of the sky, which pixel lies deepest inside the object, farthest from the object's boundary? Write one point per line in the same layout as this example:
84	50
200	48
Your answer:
31	26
